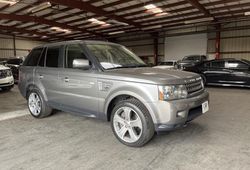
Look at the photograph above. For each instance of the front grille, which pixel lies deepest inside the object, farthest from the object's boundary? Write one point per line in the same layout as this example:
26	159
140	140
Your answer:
3	74
194	85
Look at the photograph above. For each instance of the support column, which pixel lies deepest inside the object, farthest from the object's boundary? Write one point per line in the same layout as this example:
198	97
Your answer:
217	42
14	44
156	48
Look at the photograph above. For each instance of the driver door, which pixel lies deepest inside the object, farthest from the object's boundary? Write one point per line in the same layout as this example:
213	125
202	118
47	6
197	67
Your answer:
78	87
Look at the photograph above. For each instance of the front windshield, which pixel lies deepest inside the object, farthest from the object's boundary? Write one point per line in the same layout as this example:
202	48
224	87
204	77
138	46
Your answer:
115	56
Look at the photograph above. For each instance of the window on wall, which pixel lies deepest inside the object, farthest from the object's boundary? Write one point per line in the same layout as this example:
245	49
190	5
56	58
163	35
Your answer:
53	56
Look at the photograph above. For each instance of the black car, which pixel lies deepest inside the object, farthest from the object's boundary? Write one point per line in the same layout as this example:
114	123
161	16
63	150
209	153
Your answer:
14	64
224	72
190	61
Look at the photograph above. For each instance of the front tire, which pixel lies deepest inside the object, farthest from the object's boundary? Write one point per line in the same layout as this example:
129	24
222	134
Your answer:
131	123
37	106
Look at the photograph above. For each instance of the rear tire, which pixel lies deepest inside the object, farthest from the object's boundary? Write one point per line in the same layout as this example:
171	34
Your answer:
37	105
131	123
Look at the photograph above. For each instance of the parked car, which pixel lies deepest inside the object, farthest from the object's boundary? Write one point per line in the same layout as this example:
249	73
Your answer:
6	78
106	81
224	72
3	61
14	64
170	64
190	61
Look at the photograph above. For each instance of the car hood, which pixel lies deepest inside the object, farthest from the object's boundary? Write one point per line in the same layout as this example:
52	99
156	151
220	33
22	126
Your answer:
3	67
152	75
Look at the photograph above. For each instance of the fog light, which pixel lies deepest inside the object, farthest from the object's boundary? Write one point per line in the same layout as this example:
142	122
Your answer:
181	114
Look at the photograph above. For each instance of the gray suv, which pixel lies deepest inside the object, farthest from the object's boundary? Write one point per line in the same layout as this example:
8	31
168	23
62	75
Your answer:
106	81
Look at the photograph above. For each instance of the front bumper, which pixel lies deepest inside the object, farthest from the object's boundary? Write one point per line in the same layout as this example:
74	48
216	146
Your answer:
174	114
7	82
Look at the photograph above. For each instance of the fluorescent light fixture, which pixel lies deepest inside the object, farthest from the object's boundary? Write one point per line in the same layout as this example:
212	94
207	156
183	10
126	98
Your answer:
116	32
199	20
60	30
150	6
156	10
152	27
39	7
117	22
96	21
247	13
8	2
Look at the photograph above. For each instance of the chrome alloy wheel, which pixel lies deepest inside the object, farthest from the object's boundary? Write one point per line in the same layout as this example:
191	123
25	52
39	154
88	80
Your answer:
127	124
34	103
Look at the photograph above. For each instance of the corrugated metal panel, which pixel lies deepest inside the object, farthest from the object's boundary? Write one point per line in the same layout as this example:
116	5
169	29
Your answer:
6	43
22	53
6	53
26	44
237	56
210	46
235	44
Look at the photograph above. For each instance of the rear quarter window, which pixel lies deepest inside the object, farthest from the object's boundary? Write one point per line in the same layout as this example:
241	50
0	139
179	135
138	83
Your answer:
33	57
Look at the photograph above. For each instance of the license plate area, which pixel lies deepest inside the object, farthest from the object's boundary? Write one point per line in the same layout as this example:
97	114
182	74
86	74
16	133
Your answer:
205	107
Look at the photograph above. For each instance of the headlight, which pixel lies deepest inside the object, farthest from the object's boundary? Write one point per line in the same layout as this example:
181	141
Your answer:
172	92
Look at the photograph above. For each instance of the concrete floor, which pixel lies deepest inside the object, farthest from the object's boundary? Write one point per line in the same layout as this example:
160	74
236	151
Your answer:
219	139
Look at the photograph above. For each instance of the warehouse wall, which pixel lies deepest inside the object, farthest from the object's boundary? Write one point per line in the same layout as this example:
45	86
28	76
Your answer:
234	44
179	46
23	46
144	47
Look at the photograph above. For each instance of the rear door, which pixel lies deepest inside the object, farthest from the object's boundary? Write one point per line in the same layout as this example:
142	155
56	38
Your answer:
26	72
46	73
216	72
239	72
78	87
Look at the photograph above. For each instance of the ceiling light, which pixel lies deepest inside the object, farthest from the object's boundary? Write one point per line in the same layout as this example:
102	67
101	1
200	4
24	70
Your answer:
199	20
116	32
150	6
152	27
39	7
60	30
44	36
96	21
155	10
8	2
247	13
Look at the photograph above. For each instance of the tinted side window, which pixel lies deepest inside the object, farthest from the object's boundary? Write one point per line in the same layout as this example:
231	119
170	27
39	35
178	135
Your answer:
74	52
218	64
237	65
42	58
208	64
33	58
52	59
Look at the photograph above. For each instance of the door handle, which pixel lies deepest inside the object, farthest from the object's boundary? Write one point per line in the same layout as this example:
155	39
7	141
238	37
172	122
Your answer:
40	76
66	79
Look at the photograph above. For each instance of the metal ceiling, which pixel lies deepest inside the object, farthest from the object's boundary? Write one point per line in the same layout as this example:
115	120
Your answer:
117	17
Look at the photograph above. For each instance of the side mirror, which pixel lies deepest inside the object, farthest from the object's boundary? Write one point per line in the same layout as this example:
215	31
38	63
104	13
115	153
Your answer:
81	64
